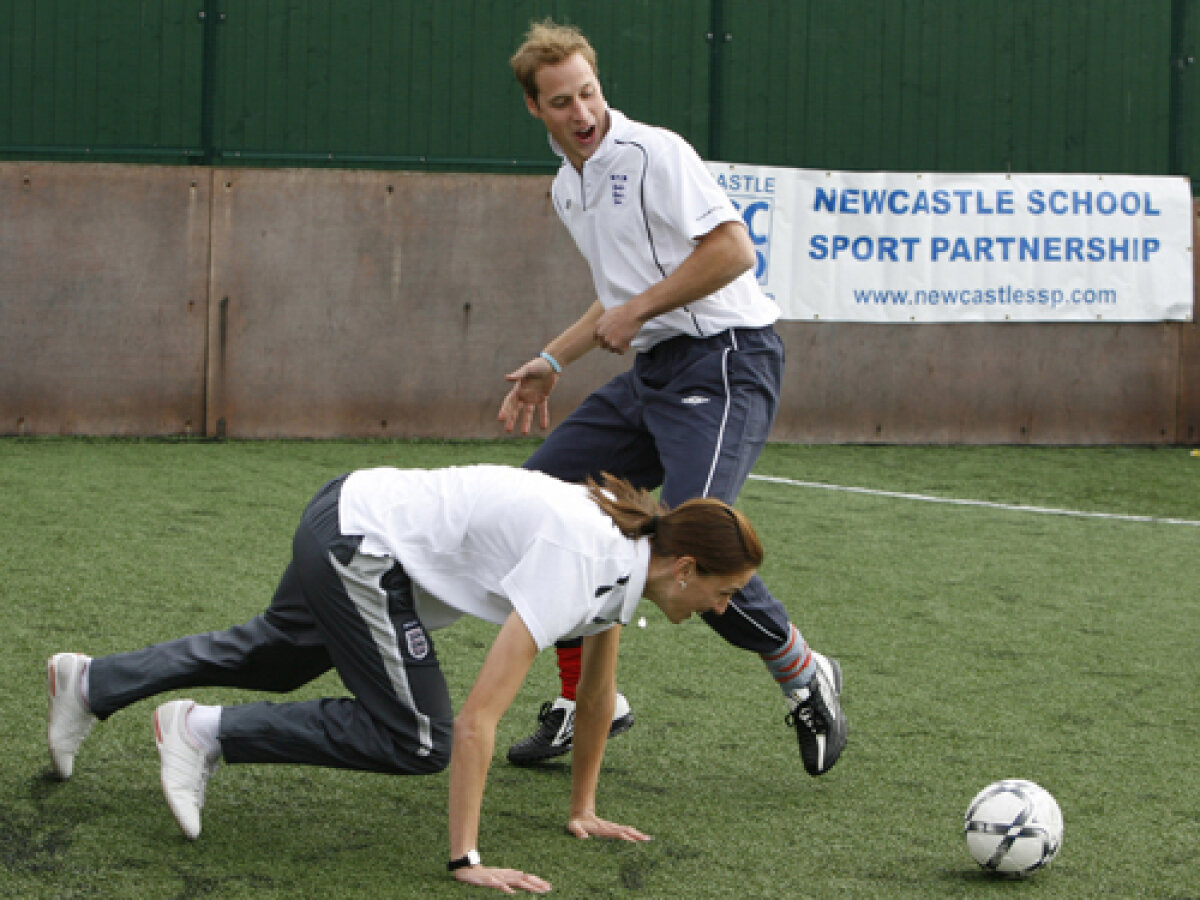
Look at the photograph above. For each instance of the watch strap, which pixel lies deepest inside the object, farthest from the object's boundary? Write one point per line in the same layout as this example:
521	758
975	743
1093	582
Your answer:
471	859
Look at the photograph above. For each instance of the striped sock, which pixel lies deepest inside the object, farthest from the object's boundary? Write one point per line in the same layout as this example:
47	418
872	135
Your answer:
793	664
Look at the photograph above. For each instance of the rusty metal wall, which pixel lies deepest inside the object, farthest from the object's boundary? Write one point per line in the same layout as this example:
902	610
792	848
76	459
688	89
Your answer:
325	303
103	287
980	383
383	304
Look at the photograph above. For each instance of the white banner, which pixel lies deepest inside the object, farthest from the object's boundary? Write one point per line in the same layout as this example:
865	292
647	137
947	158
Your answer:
944	247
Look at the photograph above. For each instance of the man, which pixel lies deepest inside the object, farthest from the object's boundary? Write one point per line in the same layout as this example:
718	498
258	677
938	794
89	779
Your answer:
381	558
671	263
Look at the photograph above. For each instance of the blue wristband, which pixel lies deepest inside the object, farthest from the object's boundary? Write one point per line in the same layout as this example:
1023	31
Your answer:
554	363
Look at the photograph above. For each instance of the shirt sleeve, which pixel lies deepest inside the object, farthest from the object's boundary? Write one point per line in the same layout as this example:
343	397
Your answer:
682	192
550	588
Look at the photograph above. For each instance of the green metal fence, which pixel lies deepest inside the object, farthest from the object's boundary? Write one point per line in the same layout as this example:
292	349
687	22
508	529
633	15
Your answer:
83	79
940	85
951	85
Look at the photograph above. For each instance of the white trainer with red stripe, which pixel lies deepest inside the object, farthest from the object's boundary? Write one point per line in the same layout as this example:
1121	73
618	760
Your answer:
185	767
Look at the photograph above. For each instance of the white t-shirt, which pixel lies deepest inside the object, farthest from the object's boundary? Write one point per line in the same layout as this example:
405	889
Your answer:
636	211
487	540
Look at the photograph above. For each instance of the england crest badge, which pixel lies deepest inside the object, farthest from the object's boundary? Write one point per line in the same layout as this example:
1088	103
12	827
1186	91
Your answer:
417	642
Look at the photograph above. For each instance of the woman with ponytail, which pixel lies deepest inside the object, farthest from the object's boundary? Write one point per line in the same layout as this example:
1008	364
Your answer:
381	558
704	540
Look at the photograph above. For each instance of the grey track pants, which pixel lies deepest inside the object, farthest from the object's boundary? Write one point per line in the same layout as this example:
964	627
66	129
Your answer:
334	607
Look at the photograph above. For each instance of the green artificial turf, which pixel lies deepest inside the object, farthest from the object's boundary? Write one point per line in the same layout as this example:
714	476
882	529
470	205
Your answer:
978	643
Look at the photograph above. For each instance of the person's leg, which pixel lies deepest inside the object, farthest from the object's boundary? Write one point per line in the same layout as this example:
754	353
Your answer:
267	654
708	447
399	718
605	433
397	721
555	732
276	651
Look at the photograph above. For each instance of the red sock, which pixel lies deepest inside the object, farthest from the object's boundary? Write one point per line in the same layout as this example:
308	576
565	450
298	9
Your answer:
570	661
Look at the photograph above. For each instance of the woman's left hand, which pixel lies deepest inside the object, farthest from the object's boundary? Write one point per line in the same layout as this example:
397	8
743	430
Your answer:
591	825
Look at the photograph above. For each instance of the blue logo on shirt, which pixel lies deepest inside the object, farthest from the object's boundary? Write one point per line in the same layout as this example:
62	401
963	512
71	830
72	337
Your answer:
618	182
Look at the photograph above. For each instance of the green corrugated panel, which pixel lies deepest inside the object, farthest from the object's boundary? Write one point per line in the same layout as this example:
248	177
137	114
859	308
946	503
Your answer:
113	79
1185	96
363	81
414	83
952	85
654	59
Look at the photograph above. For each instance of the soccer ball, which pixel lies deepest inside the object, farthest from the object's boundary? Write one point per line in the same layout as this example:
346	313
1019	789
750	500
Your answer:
1013	827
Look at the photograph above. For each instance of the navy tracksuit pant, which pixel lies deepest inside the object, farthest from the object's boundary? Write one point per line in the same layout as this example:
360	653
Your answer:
691	416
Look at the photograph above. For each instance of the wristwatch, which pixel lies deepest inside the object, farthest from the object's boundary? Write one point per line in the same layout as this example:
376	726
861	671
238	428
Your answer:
471	859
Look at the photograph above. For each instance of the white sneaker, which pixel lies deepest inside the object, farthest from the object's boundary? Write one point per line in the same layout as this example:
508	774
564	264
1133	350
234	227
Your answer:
185	768
69	720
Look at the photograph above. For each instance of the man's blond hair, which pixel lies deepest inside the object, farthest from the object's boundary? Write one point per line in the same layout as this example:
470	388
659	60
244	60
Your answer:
548	43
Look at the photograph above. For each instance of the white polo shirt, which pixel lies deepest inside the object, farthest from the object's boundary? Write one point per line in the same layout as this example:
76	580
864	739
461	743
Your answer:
487	540
636	211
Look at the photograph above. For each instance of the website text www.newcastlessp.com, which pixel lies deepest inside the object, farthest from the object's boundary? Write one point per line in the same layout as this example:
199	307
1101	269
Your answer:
1001	295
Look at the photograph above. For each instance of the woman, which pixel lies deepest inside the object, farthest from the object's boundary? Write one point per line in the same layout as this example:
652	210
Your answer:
380	558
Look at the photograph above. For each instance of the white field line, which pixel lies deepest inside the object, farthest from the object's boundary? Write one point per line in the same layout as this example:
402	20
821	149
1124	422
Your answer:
985	504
